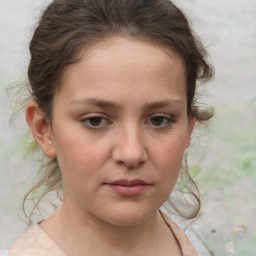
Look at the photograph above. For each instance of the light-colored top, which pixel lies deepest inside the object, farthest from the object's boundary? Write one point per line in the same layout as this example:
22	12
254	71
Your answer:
37	243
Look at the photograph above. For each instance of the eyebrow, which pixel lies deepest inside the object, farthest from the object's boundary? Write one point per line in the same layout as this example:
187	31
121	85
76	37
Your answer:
111	104
164	103
97	102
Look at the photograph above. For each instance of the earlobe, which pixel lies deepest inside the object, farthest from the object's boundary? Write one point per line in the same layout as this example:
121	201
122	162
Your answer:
41	129
191	125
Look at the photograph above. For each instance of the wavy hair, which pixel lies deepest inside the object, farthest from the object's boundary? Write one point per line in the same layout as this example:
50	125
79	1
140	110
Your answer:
68	27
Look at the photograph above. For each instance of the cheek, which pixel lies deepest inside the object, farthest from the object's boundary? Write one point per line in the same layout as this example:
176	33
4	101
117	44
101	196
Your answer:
168	158
78	154
80	168
170	153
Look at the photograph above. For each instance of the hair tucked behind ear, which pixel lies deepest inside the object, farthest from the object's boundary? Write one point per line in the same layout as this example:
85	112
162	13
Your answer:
68	27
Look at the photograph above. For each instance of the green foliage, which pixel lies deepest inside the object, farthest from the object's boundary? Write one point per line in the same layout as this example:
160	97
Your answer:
232	158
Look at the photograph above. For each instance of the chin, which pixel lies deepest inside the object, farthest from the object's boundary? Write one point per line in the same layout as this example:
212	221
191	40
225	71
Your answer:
124	216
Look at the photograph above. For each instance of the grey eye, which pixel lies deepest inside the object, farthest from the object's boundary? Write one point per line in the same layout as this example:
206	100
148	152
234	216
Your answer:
157	120
95	121
161	121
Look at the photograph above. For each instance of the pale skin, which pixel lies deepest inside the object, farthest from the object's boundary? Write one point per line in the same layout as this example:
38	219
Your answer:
120	113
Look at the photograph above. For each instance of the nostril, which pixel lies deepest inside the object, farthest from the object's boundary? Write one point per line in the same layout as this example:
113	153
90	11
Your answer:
131	163
130	150
140	163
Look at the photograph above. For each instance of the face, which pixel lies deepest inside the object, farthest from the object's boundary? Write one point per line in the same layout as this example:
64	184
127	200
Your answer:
119	130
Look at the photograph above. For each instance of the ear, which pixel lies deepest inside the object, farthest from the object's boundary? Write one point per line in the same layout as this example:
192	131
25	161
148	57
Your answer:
41	129
191	125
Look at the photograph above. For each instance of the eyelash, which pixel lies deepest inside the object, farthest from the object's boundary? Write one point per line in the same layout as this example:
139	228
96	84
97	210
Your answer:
85	121
167	118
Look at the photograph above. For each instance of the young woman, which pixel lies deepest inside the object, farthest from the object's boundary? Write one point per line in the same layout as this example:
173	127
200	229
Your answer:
112	108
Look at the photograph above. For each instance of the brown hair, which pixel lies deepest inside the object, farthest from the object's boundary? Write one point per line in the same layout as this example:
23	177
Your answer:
69	26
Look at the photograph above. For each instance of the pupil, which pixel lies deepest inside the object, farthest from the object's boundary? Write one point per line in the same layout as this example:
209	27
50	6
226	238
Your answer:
157	120
95	121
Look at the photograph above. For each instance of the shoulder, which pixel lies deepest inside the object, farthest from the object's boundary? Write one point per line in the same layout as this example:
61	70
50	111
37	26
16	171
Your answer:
186	246
188	233
34	242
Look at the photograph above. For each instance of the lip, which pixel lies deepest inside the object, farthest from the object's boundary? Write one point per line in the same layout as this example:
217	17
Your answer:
128	188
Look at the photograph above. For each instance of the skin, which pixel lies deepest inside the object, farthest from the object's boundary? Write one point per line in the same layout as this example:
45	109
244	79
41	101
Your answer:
121	113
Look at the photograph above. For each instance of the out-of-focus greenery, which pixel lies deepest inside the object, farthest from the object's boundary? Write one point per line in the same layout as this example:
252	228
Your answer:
232	161
235	128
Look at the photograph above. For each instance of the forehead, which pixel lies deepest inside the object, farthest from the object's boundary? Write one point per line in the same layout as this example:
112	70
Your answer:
123	49
128	65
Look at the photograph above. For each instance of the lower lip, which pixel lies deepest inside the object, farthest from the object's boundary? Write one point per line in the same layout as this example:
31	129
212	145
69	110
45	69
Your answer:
133	190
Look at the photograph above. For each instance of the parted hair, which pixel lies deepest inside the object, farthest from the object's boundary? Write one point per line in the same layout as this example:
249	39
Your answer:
67	28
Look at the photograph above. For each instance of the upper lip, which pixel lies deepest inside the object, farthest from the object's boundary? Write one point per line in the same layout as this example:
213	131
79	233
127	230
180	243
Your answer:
128	182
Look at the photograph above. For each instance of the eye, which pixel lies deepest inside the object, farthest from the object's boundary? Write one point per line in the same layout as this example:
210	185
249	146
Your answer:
95	122
160	121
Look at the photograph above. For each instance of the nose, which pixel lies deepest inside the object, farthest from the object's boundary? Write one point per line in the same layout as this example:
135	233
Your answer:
129	149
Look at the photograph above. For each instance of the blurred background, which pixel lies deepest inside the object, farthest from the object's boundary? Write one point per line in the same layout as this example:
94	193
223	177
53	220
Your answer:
222	157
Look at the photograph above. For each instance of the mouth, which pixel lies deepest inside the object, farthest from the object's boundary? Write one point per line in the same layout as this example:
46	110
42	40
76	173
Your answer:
128	188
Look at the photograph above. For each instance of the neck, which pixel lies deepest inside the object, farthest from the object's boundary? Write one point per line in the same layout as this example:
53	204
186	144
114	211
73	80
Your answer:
101	238
78	232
